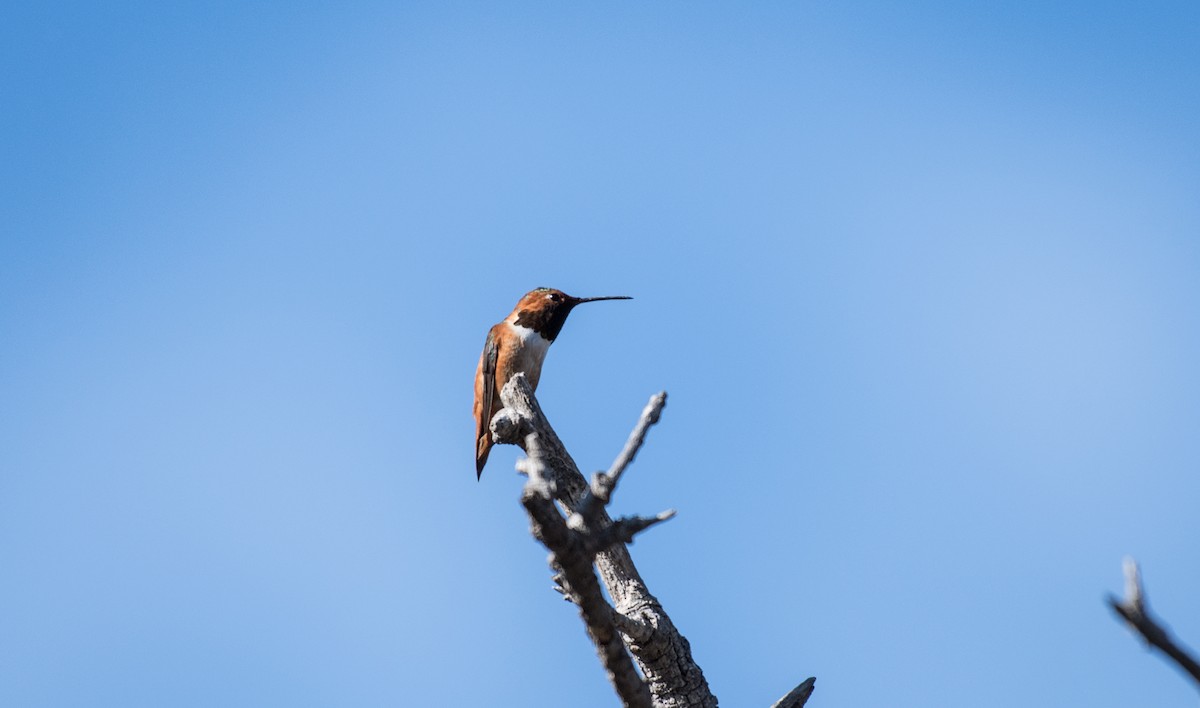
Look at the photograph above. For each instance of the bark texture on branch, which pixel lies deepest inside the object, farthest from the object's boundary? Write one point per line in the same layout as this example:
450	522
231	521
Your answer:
583	533
572	557
1137	615
660	650
798	695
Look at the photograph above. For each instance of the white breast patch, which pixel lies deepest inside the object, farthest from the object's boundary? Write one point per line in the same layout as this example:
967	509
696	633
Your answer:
532	342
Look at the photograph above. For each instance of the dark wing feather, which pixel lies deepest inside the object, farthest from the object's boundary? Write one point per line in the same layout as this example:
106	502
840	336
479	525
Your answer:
483	440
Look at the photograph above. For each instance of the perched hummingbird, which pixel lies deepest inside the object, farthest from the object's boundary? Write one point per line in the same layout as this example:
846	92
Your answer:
518	345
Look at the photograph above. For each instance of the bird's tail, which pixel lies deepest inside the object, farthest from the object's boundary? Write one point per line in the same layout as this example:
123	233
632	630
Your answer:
481	454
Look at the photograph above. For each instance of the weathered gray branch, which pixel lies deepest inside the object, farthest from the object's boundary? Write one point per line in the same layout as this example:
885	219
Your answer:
603	484
587	532
661	651
569	553
1134	611
798	695
624	529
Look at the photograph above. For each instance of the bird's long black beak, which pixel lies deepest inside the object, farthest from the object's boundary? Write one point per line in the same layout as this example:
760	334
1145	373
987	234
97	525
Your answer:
581	300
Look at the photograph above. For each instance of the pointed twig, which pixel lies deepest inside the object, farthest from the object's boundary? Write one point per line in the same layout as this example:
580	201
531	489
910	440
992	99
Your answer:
599	492
650	415
798	695
1133	609
624	529
561	585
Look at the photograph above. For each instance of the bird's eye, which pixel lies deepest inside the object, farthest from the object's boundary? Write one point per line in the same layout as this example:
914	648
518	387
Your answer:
554	297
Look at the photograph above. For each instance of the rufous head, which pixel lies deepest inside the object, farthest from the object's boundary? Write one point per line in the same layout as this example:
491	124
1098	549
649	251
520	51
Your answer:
545	310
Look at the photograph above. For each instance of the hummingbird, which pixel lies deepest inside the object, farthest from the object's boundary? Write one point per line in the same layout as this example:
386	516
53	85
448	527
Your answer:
518	345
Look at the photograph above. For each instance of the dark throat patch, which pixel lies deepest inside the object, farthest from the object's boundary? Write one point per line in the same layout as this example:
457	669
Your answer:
547	322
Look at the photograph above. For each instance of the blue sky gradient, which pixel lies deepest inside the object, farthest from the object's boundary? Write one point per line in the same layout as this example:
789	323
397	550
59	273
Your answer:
921	282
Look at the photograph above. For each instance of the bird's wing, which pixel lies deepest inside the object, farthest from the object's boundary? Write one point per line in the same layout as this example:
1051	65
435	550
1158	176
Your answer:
483	401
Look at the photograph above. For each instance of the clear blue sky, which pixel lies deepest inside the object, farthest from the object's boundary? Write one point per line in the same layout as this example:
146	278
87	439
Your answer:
922	283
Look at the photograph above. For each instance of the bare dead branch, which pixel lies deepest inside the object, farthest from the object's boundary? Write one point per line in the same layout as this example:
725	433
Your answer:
798	695
603	483
569	554
650	415
587	532
624	529
561	586
1133	609
661	651
634	630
